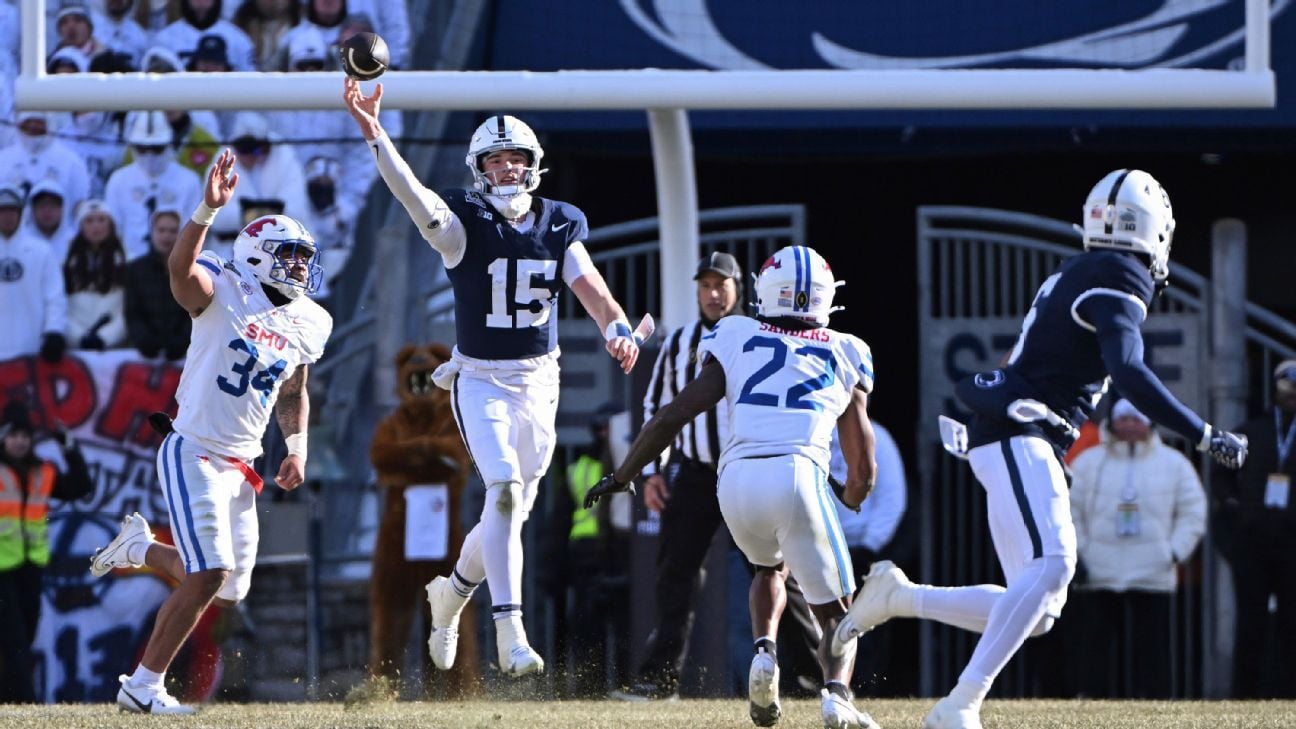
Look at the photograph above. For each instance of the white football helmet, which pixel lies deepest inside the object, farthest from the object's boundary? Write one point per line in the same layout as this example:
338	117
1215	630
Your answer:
265	243
498	133
1130	211
796	282
148	129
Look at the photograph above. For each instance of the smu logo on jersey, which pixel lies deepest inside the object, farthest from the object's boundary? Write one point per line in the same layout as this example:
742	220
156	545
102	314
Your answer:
262	335
894	35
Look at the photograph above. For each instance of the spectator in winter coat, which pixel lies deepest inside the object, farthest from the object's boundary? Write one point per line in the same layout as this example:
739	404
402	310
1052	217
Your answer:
1139	511
38	155
30	282
94	273
157	324
268	170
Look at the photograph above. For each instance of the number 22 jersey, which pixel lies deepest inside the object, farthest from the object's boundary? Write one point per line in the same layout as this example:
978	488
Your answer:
241	350
785	388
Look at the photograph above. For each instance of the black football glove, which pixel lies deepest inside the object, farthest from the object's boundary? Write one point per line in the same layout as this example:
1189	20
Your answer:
160	423
1228	449
606	485
52	347
839	490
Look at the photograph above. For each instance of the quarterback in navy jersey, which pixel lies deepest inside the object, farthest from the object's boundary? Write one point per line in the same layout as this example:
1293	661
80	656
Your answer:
1082	329
507	254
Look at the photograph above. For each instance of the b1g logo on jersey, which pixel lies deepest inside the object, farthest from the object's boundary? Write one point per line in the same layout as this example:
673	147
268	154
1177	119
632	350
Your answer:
261	335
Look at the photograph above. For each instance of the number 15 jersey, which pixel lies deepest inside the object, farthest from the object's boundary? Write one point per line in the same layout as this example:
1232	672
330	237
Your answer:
241	350
785	388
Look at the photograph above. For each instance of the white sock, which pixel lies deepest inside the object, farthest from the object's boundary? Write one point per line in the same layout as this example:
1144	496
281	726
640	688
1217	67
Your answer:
469	566
963	607
136	551
509	631
144	678
969	694
501	542
1014	617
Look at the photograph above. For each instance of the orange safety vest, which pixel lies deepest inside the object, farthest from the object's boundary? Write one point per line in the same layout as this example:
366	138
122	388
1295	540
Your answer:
24	534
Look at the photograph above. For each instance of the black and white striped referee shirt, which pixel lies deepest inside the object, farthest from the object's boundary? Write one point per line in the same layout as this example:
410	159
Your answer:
677	365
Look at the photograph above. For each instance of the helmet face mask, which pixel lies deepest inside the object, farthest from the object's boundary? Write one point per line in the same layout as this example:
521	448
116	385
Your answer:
1129	210
500	133
796	282
272	246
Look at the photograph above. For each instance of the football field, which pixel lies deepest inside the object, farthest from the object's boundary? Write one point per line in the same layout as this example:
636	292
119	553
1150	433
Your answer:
1004	714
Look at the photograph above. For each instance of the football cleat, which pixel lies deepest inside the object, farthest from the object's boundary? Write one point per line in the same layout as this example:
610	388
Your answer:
948	714
144	700
872	606
762	689
443	644
134	529
840	713
520	660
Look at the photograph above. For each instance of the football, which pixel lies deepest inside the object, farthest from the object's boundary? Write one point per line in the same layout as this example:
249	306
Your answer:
364	56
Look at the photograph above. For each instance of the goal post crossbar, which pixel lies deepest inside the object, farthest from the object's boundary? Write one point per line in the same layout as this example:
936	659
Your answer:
970	89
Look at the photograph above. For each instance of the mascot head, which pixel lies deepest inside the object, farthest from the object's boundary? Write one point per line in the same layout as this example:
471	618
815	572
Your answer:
414	366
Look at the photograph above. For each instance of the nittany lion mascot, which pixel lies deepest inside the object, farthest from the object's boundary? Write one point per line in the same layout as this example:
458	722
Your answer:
418	444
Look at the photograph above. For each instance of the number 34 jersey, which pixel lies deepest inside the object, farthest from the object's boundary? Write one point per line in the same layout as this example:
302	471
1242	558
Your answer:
242	349
785	388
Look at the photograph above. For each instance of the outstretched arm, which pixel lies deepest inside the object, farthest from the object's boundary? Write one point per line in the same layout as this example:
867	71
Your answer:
191	284
696	398
593	293
436	223
293	413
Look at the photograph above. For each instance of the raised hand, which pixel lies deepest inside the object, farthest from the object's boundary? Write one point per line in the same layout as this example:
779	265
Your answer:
221	181
364	109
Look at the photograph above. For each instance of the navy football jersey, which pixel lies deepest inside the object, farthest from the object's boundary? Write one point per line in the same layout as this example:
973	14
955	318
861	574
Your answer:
507	283
1057	359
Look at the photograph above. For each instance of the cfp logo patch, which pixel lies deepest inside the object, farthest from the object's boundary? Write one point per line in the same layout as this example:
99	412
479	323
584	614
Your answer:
247	290
987	380
11	270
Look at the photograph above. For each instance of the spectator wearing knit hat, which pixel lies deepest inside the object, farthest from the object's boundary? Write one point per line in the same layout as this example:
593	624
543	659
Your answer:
38	154
94	273
46	221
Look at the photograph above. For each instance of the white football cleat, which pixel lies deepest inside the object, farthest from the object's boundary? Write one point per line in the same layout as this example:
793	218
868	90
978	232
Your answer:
133	529
142	700
872	606
520	660
839	713
446	605
762	689
949	714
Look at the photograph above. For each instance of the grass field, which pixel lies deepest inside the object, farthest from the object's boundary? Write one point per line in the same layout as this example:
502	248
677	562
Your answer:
1001	714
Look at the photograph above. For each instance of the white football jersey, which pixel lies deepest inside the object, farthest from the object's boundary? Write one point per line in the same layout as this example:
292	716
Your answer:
785	388
242	349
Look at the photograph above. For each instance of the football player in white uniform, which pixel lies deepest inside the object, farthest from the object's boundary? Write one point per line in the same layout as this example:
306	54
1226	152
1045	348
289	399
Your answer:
254	334
788	380
507	255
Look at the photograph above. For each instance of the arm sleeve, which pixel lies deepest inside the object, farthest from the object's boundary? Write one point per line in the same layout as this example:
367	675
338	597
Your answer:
1189	510
438	225
1116	324
576	263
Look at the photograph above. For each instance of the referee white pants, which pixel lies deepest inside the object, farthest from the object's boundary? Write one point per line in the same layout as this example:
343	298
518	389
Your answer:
780	509
213	512
1027	504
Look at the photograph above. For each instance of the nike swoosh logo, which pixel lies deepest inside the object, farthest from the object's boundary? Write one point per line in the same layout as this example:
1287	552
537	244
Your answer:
146	708
556	228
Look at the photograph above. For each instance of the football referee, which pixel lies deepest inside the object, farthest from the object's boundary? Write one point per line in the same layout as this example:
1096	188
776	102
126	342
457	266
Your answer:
683	491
